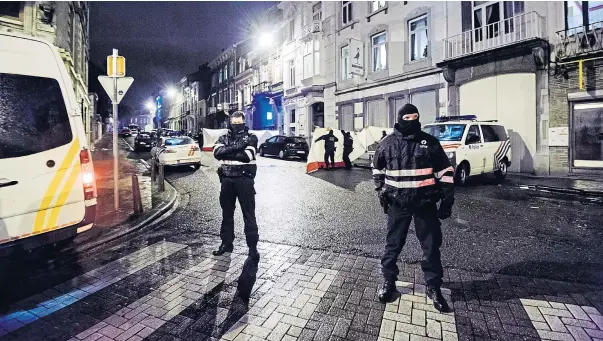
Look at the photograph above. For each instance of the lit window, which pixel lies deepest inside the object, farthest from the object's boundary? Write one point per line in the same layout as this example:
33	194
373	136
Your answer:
377	5
419	43
291	73
379	48
311	58
345	62
346	12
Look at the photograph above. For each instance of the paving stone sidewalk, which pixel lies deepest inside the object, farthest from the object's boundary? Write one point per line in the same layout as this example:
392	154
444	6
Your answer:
173	291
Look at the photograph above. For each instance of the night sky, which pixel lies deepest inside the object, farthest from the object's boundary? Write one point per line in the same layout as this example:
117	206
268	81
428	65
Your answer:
164	41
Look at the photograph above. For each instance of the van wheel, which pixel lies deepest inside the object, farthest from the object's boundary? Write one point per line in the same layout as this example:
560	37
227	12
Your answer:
197	166
261	152
501	173
462	174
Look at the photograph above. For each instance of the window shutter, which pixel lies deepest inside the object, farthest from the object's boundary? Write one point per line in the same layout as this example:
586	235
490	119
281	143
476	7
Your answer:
466	15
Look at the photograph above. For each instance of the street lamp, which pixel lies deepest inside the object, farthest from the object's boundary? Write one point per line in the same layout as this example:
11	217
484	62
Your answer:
266	39
150	105
171	92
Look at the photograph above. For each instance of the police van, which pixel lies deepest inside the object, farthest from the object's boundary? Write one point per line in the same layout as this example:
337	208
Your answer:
47	184
473	147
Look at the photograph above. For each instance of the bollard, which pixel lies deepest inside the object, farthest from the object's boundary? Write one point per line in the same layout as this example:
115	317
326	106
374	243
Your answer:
161	179
136	195
153	170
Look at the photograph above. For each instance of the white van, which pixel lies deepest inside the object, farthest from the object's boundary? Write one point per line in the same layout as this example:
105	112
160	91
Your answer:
47	183
473	147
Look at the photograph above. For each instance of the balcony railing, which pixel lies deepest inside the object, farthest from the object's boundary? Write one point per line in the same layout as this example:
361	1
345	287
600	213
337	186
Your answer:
510	31
579	41
262	87
315	26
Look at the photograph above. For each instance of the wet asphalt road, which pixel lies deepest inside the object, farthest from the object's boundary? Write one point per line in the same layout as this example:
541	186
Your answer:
494	228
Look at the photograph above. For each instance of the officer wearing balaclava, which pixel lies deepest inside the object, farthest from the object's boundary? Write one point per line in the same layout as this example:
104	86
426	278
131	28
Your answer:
330	141
412	174
236	152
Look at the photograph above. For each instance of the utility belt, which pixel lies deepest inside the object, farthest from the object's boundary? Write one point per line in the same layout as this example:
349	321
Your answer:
222	174
237	163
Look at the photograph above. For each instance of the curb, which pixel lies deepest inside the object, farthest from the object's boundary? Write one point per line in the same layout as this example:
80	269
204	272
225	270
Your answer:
162	213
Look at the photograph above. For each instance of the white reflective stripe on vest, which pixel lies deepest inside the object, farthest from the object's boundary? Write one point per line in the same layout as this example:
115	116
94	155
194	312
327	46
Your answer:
378	172
409	172
237	163
442	172
447	179
410	184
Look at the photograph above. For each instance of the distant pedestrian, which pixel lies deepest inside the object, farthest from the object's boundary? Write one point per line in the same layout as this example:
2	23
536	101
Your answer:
412	173
348	147
236	152
200	138
383	134
330	141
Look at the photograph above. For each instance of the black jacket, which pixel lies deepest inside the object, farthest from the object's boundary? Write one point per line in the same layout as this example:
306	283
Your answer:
348	141
330	141
237	153
414	169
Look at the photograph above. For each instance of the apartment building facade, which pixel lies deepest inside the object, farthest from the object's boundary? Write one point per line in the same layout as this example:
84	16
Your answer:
222	90
64	24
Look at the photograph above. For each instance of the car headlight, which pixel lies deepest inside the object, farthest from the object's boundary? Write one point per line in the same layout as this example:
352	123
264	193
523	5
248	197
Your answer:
450	155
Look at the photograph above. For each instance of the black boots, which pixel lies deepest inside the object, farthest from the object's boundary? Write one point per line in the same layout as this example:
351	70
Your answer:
386	291
439	302
222	250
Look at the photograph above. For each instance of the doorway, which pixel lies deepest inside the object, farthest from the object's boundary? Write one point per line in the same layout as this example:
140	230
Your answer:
587	135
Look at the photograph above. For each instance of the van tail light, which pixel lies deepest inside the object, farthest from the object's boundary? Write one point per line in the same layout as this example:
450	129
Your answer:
88	175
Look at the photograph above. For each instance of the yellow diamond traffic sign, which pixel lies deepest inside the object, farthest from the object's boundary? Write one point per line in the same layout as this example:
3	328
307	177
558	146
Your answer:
121	66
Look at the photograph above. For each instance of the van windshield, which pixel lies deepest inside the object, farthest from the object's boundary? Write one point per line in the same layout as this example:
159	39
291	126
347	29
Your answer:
33	116
446	132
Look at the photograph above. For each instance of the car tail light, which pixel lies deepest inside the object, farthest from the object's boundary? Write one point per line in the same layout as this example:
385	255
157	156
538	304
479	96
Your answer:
88	175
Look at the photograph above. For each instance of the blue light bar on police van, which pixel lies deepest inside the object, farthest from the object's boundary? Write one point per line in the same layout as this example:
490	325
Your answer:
456	118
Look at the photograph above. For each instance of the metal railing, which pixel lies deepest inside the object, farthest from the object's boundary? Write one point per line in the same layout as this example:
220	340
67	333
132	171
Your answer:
510	31
580	40
262	87
315	26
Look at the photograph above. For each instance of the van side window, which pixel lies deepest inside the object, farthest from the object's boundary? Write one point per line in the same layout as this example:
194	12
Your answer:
501	133
489	134
473	135
33	116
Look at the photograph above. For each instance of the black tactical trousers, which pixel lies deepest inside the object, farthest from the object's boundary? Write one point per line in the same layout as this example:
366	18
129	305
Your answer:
329	154
429	233
241	188
346	157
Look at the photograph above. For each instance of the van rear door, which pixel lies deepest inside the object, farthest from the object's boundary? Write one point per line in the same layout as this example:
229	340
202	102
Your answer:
39	145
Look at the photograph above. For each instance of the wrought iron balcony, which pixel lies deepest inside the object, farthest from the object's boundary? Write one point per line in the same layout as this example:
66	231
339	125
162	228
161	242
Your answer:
262	87
315	26
510	31
579	41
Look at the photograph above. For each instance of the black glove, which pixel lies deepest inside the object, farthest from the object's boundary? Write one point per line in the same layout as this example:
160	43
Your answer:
445	210
384	200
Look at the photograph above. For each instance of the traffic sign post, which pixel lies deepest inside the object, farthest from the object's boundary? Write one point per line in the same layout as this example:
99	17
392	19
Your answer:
116	86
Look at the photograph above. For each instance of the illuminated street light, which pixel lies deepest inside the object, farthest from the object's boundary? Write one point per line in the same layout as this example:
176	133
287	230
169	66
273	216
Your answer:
171	92
150	105
266	39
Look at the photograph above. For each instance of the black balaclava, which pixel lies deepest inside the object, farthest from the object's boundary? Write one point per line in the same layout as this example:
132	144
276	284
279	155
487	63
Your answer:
331	132
408	127
236	128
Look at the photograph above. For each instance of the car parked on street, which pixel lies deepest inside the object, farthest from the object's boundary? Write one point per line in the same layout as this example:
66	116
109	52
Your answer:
177	151
285	147
125	132
473	147
143	141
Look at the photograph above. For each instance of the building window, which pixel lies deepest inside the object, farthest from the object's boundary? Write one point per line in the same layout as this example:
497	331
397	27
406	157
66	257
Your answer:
278	71
345	63
291	30
317	11
426	103
489	14
346	12
220	77
377	5
377	113
379	48
419	43
582	13
225	72
311	58
264	73
10	9
291	73
292	115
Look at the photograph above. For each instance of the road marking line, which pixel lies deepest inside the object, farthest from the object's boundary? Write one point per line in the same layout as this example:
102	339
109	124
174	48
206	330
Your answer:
129	146
80	287
170	299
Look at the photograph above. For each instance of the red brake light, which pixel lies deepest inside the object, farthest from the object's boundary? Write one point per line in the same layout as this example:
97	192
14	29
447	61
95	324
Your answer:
87	175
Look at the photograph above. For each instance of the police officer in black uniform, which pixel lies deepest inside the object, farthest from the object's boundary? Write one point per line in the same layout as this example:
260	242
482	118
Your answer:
348	148
412	173
330	141
237	154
